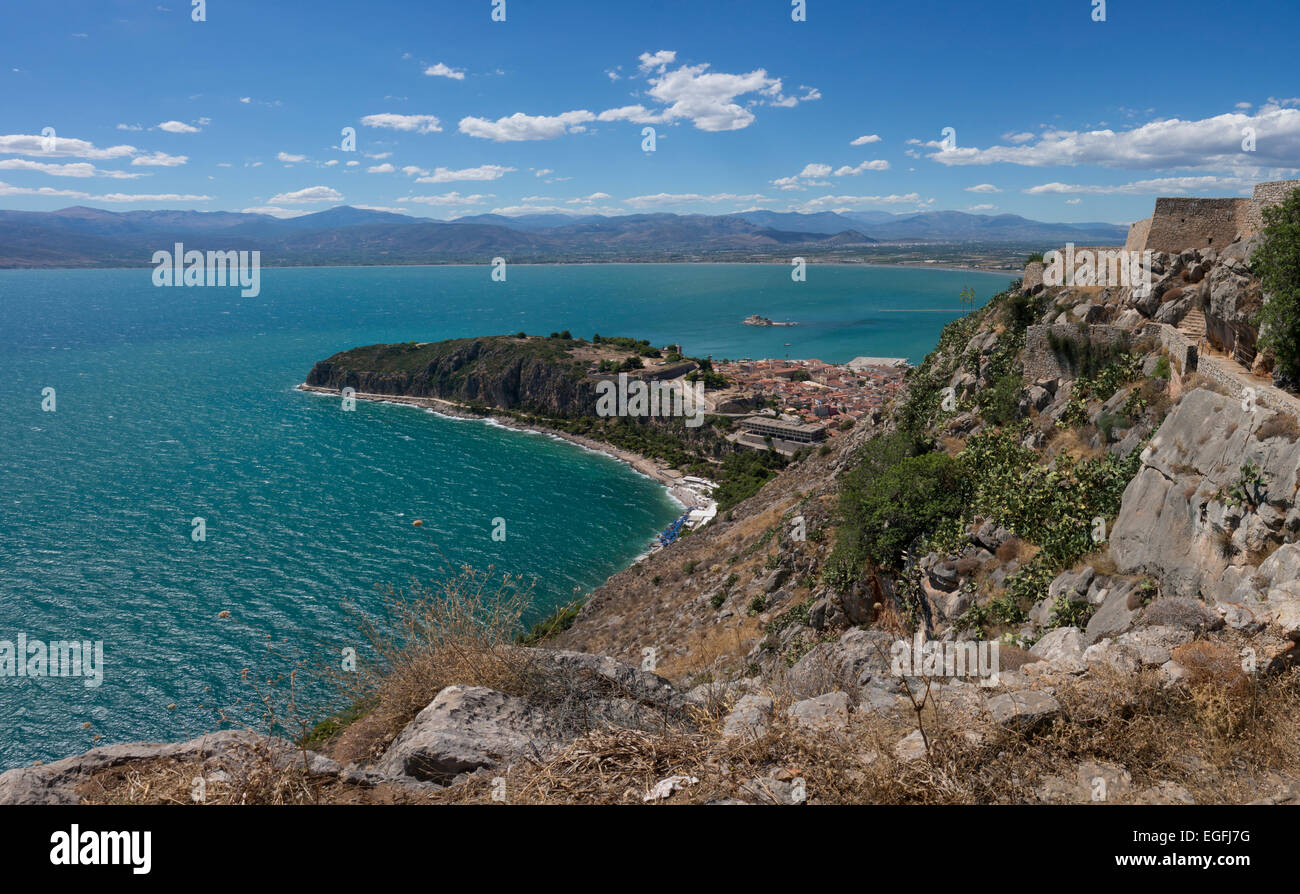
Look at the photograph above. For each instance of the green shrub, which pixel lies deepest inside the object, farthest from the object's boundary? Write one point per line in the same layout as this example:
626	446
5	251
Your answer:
1277	264
560	619
896	493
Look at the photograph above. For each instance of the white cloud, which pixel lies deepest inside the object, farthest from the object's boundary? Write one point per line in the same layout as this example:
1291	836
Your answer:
448	199
353	163
1214	143
177	127
287	157
708	99
129	127
978	208
864	140
390	210
813	174
116	197
72	169
60	147
408	123
384	168
377	156
443	71
482	172
542	172
1164	186
657	61
245	99
331	163
876	165
276	211
160	160
983	188
520	127
662	199
308	194
637	114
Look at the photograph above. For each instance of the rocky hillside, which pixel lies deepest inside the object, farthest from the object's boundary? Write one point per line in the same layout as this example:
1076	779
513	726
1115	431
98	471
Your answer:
544	375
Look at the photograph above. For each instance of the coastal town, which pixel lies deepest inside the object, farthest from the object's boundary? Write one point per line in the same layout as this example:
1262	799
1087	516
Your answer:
806	401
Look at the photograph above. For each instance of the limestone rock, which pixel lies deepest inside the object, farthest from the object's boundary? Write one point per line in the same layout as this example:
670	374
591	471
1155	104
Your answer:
830	710
1023	710
749	719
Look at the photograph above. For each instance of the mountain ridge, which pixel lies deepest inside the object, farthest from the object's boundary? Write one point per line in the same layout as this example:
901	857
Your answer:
82	236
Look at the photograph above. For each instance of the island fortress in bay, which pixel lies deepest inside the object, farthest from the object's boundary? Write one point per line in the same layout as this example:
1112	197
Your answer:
1180	223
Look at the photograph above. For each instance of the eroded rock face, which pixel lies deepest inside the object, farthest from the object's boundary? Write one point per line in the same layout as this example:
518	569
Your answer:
1023	710
1179	520
856	661
467	728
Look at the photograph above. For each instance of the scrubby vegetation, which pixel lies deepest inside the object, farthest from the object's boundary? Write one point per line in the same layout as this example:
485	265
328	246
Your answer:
905	495
1277	264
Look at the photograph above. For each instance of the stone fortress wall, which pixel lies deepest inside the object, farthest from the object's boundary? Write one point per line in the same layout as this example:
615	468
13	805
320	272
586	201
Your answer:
1179	223
1266	195
1137	235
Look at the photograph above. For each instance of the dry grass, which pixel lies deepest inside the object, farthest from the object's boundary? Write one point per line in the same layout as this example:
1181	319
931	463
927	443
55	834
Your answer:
1224	737
713	648
1279	425
265	771
1221	747
459	630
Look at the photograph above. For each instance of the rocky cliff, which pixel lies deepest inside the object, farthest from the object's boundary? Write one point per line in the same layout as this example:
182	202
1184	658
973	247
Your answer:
535	374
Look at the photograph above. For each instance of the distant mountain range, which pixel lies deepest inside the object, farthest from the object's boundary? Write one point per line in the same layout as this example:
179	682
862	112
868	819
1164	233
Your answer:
90	237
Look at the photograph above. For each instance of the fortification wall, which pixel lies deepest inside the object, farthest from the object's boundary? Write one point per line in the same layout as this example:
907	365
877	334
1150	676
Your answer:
1264	196
1181	223
1033	275
1137	235
1042	362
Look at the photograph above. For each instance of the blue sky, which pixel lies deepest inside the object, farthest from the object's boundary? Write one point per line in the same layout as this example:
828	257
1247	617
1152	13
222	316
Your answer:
1055	116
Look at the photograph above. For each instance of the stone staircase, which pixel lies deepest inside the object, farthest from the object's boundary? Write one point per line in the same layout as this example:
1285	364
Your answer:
1193	325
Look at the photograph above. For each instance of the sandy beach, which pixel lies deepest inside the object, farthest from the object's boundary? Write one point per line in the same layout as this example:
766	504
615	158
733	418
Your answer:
661	472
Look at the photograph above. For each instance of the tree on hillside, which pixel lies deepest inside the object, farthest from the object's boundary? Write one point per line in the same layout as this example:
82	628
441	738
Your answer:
968	298
1277	264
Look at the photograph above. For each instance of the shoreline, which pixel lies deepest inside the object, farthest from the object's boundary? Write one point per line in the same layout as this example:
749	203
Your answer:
650	467
834	262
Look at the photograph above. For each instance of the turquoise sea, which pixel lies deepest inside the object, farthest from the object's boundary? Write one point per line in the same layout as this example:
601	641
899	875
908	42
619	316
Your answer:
176	403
